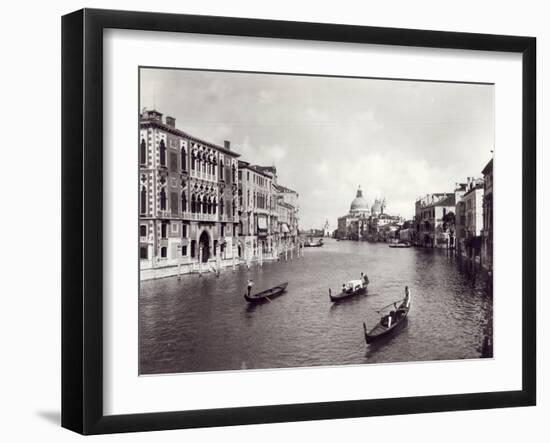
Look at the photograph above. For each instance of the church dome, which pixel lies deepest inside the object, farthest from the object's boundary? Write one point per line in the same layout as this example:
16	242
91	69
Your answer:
359	204
378	206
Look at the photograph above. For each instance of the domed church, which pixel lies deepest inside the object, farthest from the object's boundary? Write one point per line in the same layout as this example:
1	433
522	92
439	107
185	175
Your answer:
359	206
359	212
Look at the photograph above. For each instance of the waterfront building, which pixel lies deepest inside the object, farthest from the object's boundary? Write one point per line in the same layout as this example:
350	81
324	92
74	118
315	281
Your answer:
487	231
353	226
432	221
259	214
470	226
407	233
187	200
382	227
288	217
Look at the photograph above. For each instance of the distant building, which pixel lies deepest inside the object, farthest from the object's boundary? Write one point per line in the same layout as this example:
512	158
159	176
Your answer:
353	225
327	232
382	226
487	232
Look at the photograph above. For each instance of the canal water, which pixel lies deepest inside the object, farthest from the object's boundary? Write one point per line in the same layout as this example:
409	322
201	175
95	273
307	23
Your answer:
204	323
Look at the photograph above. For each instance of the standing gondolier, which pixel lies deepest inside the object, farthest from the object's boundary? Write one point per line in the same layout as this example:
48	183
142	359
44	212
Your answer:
249	286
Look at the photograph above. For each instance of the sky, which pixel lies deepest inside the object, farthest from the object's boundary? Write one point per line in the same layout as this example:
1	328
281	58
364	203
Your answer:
326	136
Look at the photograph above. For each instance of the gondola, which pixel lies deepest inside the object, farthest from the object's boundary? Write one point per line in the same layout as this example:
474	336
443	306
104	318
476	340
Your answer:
389	322
352	288
400	245
266	295
311	244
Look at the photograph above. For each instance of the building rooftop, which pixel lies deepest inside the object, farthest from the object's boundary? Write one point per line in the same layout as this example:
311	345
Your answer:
488	168
282	188
437	199
154	118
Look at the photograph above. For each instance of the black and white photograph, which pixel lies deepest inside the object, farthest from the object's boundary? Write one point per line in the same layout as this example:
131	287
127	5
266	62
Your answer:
299	220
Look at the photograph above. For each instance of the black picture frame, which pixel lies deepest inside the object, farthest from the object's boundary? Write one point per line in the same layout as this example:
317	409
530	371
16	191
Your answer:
82	218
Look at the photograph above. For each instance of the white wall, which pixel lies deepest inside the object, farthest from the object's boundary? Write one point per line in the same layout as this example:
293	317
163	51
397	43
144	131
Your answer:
30	183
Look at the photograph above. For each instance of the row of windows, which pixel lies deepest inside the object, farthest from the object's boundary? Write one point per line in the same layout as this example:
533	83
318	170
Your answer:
261	181
206	167
205	205
162	151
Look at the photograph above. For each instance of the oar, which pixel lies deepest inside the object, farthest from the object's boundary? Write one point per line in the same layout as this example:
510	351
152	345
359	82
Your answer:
387	306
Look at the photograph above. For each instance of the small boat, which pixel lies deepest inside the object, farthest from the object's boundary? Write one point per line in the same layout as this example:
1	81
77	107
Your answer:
389	322
309	243
351	289
266	295
400	245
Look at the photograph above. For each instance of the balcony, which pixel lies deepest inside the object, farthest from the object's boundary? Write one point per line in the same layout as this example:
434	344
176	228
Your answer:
229	219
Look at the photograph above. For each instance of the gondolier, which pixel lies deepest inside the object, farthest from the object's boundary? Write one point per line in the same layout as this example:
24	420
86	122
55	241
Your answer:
249	286
389	322
266	295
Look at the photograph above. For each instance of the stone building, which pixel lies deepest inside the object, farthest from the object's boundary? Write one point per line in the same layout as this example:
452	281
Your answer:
470	219
487	231
187	200
288	218
431	227
353	225
258	212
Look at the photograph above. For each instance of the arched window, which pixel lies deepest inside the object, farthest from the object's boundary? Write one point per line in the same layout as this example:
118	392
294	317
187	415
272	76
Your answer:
209	207
183	160
234	208
163	252
221	206
163	199
214	205
143	231
162	153
143	200
193	204
183	202
143	152
204	204
220	173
